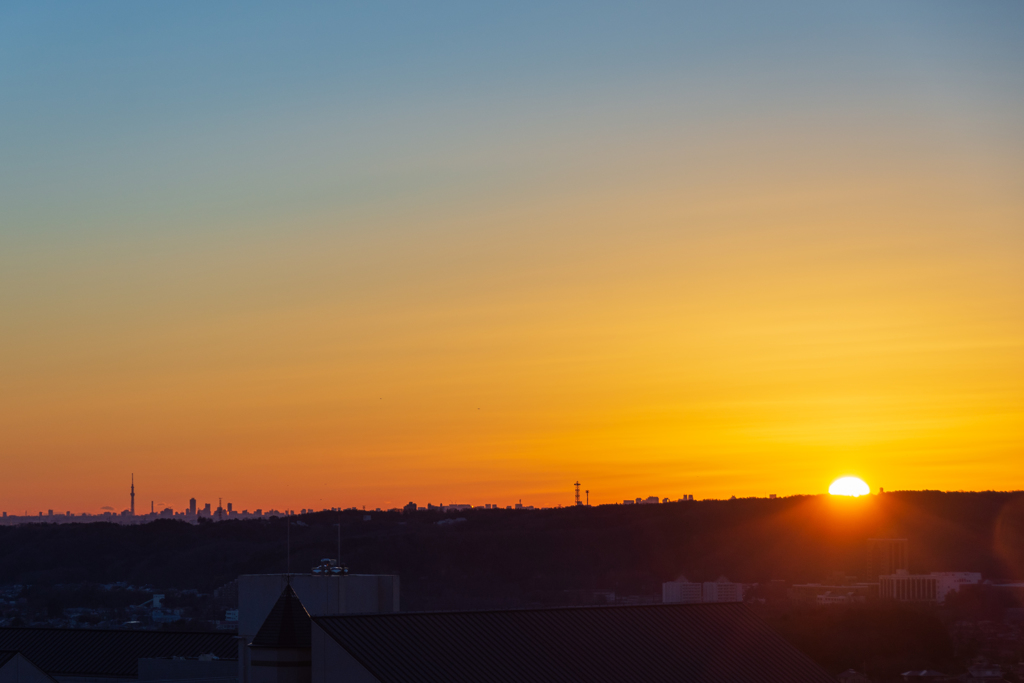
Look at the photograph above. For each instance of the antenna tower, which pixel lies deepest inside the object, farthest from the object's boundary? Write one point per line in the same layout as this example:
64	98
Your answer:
577	485
133	494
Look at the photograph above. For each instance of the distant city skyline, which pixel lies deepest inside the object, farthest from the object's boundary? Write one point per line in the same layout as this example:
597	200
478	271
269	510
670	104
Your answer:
192	510
227	511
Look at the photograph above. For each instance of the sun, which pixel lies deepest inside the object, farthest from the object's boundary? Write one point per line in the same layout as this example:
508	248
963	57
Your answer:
849	486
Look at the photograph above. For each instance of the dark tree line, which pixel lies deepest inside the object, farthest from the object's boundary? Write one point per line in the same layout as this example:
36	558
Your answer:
509	557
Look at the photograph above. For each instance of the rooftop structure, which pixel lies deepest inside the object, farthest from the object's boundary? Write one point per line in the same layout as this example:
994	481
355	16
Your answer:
260	597
281	650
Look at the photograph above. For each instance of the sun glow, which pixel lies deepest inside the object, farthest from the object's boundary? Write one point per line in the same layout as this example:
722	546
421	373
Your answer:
849	486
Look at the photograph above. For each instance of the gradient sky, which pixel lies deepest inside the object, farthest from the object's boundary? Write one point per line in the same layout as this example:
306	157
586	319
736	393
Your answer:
300	255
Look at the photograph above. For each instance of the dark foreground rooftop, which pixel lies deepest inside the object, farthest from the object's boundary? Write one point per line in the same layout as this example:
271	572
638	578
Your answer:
655	644
109	653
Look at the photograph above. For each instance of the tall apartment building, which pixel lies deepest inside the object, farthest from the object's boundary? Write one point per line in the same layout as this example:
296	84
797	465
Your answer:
886	556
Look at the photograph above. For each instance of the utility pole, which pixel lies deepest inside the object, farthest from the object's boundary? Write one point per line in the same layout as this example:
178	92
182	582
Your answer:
588	497
339	538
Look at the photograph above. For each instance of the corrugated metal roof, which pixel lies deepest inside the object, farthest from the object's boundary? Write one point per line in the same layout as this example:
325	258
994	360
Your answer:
653	643
288	624
109	653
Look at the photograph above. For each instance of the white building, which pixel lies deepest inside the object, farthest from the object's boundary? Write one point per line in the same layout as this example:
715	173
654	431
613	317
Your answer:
681	592
905	587
723	590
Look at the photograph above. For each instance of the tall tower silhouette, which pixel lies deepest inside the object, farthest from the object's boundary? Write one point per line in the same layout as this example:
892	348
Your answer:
133	494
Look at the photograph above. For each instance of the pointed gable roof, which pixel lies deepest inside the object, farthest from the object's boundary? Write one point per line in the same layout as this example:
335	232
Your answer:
24	669
287	626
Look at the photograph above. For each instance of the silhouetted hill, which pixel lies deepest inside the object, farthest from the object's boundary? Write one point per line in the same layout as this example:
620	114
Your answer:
510	557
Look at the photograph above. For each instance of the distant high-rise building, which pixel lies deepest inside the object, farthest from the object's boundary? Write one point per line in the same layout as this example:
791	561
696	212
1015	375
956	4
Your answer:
229	508
886	556
192	506
133	494
206	510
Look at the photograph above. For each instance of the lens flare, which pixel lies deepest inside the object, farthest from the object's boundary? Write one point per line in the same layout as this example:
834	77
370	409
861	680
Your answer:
849	486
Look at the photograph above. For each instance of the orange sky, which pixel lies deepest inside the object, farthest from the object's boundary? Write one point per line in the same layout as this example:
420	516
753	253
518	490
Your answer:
607	287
